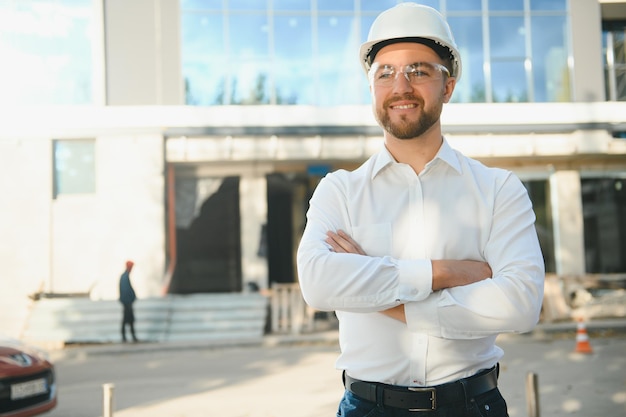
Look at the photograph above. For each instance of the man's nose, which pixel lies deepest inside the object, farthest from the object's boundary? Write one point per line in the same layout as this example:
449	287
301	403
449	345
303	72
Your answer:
401	82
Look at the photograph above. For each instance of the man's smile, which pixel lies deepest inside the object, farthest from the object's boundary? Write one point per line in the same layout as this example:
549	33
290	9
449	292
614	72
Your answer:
403	106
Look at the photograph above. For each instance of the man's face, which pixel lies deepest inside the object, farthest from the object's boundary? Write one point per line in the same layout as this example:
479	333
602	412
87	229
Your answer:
407	109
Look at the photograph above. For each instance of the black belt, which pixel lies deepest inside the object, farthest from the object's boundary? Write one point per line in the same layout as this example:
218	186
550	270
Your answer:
425	398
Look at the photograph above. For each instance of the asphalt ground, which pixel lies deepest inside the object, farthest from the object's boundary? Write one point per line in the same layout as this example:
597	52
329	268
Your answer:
294	376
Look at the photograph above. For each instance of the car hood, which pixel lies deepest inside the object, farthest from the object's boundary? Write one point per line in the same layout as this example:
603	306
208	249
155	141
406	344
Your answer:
16	356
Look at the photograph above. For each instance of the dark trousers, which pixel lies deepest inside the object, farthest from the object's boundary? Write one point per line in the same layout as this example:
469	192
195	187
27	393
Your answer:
489	404
128	318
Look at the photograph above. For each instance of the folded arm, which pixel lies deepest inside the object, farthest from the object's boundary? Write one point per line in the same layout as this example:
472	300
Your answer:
445	273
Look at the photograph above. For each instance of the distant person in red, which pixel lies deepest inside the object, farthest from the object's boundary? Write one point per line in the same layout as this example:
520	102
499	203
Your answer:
127	298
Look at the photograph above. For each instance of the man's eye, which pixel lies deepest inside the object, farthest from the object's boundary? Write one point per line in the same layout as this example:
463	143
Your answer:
418	74
385	74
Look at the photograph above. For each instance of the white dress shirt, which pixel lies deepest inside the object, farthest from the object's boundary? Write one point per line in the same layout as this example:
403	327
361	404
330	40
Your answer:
456	208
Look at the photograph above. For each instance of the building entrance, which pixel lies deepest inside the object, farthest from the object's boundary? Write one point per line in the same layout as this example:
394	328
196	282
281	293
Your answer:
208	238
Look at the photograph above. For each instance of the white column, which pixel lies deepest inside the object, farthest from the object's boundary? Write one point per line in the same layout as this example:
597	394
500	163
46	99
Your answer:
142	41
253	207
567	214
586	38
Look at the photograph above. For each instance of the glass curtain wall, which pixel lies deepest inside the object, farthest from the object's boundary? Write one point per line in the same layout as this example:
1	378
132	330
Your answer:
46	48
512	50
304	52
240	52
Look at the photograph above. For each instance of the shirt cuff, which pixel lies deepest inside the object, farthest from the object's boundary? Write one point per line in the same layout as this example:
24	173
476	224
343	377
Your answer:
416	279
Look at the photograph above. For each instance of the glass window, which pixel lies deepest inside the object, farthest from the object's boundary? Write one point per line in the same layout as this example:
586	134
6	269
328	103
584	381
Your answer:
508	52
366	23
468	36
46	52
364	96
74	167
253	5
507	5
292	5
249	63
201	4
507	37
508	79
463	5
204	59
378	5
613	36
620	80
340	74
294	67
347	5
548	4
549	58
432	3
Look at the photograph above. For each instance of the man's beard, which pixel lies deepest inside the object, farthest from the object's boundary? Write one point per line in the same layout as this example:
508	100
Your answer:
406	129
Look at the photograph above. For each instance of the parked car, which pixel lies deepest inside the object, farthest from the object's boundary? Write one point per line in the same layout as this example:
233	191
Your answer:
27	380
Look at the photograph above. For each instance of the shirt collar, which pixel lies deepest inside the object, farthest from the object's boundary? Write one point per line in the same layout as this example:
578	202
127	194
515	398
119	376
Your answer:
383	158
449	156
445	153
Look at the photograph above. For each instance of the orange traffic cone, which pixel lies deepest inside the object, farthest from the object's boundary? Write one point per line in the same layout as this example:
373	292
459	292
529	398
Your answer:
582	338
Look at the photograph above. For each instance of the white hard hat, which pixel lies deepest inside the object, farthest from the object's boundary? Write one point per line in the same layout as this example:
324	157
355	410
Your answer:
412	23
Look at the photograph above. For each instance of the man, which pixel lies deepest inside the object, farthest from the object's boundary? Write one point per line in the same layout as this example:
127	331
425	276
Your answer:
127	298
425	255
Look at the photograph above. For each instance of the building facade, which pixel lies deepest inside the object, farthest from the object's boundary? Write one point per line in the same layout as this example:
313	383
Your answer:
189	135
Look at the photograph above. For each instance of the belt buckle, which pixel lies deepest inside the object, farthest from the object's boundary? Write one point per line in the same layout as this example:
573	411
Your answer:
433	398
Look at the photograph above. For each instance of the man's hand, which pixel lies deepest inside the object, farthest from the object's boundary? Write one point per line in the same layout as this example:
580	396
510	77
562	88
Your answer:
341	242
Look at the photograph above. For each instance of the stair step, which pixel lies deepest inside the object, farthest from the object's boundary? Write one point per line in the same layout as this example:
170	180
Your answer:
197	317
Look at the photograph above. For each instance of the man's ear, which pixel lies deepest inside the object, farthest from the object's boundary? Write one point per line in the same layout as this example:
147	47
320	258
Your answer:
448	88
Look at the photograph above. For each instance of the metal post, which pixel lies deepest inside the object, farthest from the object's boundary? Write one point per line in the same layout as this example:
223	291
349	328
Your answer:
532	394
297	309
108	400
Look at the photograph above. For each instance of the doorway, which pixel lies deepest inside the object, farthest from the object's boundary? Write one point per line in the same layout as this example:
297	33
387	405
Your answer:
208	236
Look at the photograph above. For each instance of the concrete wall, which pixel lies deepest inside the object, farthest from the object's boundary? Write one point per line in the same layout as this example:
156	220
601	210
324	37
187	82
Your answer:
77	243
130	214
25	205
142	44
